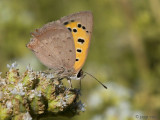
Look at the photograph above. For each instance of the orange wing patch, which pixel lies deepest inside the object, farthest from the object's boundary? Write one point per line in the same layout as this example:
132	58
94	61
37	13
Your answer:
81	40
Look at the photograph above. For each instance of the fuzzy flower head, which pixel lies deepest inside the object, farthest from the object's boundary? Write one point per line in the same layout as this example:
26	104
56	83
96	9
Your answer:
19	89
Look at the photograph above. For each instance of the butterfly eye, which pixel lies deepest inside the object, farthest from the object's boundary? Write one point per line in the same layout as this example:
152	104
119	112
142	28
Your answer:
80	74
77	59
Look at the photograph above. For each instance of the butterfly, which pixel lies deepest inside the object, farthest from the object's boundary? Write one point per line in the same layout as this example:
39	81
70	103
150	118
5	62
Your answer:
63	45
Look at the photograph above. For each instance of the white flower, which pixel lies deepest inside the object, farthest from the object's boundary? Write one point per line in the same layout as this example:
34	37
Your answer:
13	65
35	93
9	104
81	106
29	68
49	76
18	89
63	103
27	116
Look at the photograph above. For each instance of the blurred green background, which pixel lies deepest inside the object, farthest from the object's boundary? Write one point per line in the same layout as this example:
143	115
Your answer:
124	52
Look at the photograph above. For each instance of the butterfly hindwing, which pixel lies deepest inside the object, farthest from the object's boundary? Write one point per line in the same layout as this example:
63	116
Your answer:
53	45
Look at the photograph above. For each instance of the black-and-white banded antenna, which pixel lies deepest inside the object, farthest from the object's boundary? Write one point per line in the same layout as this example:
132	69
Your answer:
96	80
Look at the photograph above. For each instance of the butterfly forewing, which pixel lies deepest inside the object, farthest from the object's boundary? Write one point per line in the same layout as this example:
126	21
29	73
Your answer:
80	25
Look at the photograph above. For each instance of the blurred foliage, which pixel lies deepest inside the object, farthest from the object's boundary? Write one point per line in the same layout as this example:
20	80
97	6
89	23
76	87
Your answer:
124	52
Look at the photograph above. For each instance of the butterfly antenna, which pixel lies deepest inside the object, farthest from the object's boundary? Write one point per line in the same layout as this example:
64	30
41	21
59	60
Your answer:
96	79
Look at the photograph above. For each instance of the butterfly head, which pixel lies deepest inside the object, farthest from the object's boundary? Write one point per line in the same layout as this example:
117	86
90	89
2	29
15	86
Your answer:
77	76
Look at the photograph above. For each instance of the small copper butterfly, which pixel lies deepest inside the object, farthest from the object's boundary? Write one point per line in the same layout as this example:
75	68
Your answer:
63	45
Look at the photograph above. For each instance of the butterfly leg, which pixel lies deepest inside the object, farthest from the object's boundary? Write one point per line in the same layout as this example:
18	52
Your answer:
69	81
80	83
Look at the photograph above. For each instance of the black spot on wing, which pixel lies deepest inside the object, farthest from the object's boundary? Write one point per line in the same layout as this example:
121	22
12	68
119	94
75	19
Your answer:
69	29
79	50
74	30
65	23
72	20
83	27
80	40
79	25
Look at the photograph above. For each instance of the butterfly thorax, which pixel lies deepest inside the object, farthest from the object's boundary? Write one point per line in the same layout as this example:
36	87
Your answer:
64	72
